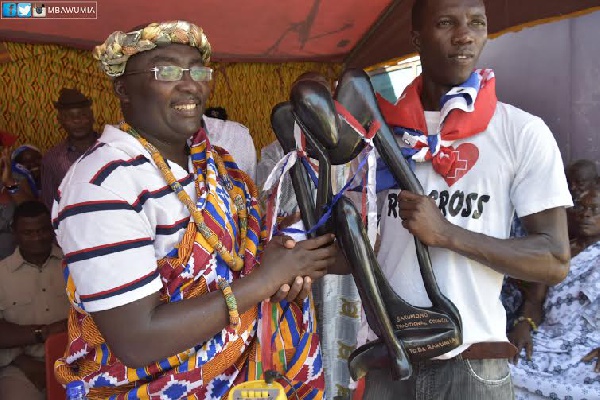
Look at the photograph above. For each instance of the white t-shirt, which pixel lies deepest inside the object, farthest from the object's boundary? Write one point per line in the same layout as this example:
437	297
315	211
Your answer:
235	138
515	165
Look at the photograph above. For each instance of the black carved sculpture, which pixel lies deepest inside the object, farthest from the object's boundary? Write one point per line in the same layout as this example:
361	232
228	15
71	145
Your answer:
405	332
282	121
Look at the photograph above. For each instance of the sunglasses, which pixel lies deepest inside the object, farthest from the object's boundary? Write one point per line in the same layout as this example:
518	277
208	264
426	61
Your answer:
173	73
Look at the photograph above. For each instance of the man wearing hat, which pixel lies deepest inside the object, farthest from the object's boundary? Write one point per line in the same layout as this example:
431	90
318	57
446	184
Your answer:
163	239
77	119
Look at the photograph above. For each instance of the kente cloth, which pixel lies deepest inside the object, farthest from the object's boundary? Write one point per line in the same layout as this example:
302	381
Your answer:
192	269
466	110
337	302
570	330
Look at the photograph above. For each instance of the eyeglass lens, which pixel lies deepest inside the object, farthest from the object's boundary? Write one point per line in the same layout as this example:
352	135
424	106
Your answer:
175	73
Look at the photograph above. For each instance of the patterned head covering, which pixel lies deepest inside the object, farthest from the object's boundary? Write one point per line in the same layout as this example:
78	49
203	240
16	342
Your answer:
19	169
116	50
21	149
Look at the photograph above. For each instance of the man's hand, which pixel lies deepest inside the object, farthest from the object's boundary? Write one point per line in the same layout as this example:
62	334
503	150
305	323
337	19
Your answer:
285	260
520	336
299	290
590	356
422	218
301	286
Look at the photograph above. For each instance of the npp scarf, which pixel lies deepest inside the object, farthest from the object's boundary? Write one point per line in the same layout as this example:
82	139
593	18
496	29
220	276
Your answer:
191	269
466	110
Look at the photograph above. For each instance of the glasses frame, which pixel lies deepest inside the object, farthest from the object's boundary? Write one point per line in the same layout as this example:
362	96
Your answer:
156	69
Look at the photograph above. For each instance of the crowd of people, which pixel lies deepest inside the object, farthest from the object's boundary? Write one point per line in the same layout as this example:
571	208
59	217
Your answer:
147	242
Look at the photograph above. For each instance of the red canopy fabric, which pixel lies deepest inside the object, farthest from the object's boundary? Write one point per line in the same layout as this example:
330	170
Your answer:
358	32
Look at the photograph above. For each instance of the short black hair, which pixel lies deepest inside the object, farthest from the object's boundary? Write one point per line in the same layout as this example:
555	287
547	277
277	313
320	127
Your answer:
418	13
216	112
309	75
584	165
29	209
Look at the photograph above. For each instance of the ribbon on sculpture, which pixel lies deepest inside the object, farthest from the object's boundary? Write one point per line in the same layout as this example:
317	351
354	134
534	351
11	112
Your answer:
275	178
368	158
369	197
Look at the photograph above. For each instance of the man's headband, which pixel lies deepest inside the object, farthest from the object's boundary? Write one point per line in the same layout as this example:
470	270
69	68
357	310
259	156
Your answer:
116	50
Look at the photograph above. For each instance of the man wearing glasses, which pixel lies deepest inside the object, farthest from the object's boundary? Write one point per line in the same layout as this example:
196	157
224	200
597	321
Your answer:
162	238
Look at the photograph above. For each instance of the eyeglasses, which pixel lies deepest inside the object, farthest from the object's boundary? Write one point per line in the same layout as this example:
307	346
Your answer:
174	73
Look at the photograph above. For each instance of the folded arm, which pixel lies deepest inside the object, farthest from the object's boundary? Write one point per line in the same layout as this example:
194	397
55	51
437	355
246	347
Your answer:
13	335
542	256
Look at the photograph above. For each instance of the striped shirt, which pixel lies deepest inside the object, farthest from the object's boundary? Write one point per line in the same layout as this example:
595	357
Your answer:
114	218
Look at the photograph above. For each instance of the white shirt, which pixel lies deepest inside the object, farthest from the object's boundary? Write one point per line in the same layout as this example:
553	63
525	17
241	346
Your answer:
235	138
514	165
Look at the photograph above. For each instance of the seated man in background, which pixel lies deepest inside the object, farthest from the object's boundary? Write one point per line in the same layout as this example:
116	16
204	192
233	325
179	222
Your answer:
581	175
233	137
76	117
33	303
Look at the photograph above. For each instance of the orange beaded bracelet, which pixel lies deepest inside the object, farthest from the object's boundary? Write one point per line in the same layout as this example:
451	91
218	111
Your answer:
234	316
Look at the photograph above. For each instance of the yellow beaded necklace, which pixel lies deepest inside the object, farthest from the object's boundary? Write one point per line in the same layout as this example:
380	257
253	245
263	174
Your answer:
234	259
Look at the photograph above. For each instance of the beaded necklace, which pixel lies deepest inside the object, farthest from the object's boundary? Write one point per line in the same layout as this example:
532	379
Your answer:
234	259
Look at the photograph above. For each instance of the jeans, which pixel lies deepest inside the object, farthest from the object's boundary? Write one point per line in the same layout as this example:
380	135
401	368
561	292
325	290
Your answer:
454	379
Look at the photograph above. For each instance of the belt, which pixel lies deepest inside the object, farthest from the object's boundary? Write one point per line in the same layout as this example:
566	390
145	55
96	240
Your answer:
485	350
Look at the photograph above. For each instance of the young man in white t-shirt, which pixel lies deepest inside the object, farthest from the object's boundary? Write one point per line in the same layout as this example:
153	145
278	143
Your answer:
511	164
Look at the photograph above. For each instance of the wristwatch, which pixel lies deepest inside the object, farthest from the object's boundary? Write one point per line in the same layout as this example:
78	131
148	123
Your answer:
39	335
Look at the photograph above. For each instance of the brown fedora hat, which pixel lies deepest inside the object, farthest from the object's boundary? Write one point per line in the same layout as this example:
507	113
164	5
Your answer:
72	98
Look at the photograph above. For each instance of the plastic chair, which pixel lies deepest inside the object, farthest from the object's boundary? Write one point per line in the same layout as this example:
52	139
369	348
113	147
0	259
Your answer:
55	348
